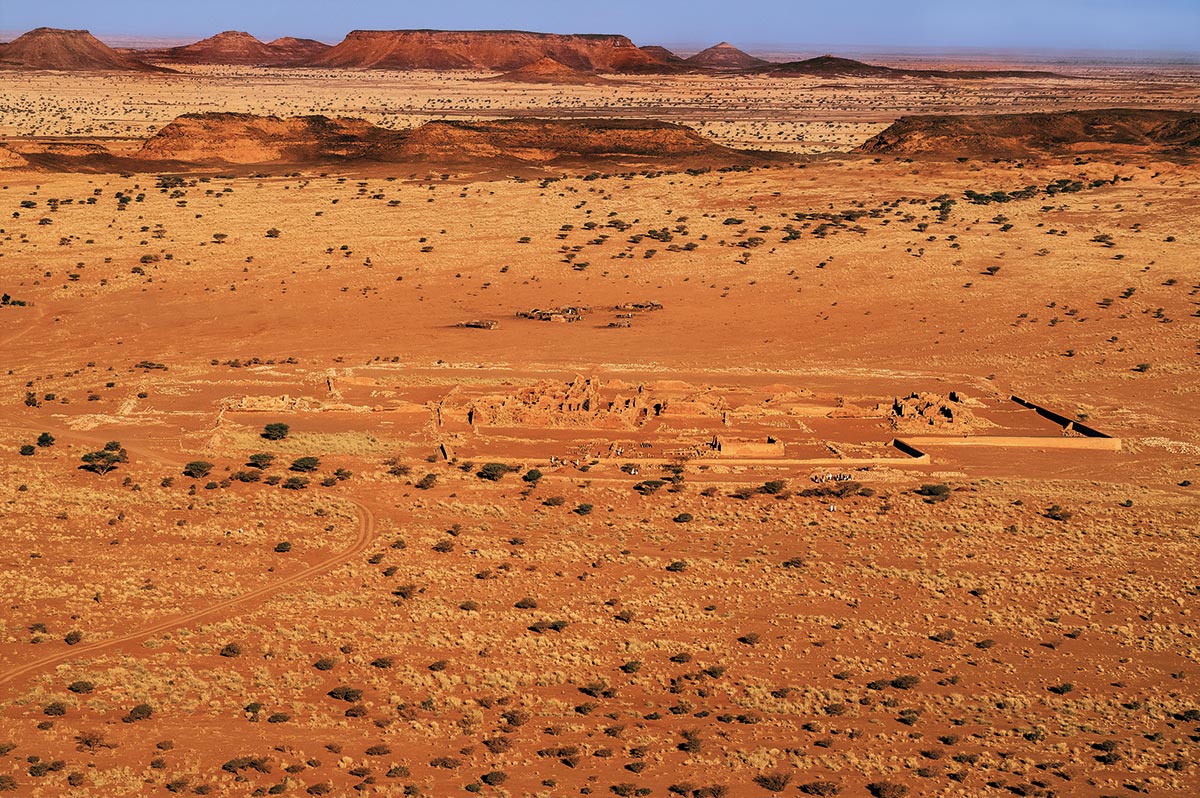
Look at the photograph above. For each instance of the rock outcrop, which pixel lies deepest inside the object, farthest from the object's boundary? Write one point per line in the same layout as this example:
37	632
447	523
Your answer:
228	138
1022	135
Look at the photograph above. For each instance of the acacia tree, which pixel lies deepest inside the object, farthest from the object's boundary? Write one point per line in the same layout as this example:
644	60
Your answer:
276	431
106	459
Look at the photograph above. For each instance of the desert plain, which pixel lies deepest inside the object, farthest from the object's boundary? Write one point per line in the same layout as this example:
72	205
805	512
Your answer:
816	470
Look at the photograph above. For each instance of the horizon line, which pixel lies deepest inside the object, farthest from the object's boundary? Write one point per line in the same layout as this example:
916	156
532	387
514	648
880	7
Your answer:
118	39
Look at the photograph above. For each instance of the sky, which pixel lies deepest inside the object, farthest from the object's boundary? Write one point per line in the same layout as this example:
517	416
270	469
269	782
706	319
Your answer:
1146	25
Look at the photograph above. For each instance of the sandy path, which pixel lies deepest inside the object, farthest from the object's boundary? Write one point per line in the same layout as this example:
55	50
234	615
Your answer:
362	539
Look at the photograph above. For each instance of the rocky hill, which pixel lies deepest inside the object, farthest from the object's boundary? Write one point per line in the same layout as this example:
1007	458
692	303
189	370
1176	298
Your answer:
830	66
240	48
725	56
495	50
1022	135
547	70
67	50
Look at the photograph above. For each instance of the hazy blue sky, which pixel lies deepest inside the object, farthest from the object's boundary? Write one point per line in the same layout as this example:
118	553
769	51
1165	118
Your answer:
1105	24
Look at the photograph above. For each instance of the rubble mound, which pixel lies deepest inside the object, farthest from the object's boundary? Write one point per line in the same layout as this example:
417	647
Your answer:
919	412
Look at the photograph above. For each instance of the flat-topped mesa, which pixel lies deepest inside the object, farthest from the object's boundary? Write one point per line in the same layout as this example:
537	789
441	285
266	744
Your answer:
67	50
228	138
493	50
725	56
1120	130
547	70
238	48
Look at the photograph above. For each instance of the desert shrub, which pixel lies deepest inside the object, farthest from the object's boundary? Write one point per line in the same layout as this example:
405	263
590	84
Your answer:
554	501
27	450
276	431
81	687
492	472
1056	513
773	782
426	482
683	518
231	650
272	479
73	637
887	789
279	717
820	788
139	712
677	566
295	483
324	664
934	493
532	476
445	762
1061	689
55	709
773	487
283	547
494	778
905	682
583	509
246	476
305	465
378	750
346	693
